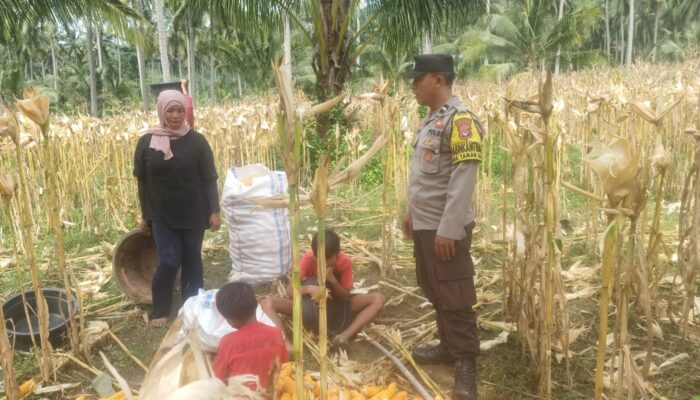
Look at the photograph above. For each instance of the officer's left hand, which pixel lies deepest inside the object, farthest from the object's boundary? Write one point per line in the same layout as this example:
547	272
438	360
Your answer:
444	248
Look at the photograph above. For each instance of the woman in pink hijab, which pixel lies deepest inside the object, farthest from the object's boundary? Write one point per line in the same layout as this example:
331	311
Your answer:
174	166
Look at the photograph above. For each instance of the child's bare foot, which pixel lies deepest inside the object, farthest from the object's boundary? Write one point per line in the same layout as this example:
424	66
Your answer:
158	322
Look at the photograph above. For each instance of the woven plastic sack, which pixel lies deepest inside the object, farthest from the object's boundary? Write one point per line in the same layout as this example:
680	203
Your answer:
259	238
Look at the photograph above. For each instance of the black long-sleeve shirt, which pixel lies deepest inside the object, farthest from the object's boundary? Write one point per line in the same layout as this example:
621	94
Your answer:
180	192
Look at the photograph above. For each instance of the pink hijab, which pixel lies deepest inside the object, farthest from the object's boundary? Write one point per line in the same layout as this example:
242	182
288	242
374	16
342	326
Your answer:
160	139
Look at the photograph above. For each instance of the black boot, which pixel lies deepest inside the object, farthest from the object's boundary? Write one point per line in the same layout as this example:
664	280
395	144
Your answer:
432	355
465	379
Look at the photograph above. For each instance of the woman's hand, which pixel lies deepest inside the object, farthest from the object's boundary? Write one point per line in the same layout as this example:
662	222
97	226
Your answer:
215	222
145	228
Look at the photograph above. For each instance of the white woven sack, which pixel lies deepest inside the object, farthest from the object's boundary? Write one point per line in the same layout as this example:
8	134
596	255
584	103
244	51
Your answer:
259	238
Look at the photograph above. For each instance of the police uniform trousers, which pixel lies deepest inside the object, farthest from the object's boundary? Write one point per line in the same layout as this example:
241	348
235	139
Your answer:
449	286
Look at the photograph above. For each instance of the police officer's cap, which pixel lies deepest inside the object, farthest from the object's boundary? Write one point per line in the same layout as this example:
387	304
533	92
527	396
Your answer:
425	63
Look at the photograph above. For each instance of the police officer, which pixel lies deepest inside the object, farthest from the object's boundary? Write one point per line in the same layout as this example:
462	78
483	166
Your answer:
440	218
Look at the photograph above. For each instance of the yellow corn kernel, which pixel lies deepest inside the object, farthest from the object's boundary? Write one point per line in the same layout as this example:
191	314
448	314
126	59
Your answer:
369	391
286	385
308	379
386	394
26	387
287	369
402	395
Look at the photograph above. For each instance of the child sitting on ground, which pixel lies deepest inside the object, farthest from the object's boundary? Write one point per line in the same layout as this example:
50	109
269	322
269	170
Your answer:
346	313
254	347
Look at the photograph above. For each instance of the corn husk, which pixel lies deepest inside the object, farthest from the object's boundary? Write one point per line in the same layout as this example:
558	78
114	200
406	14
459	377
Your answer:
182	363
659	160
35	107
617	165
7	186
8	125
214	389
644	109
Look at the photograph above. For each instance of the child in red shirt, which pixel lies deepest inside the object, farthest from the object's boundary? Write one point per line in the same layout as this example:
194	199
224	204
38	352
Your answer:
254	347
346	313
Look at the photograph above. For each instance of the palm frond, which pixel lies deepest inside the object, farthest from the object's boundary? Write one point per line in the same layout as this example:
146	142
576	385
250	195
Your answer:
401	22
498	72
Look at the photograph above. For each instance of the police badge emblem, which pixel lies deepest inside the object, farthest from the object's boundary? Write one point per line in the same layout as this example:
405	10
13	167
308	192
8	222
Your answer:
464	126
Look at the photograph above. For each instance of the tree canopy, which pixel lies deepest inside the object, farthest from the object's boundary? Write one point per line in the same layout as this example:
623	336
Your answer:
97	56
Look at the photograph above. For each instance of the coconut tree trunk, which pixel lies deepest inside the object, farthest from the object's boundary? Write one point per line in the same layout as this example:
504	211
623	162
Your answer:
556	62
142	76
607	28
190	58
656	29
212	80
91	68
31	66
240	91
488	12
331	62
98	45
119	61
162	40
141	61
622	41
630	35
54	63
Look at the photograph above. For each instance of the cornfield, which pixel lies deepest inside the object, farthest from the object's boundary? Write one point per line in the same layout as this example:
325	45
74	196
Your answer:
588	190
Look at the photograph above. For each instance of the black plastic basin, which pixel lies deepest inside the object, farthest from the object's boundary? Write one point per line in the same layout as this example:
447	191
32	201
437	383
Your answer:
18	325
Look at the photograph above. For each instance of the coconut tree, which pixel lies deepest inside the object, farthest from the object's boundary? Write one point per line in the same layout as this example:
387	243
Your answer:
15	13
528	33
162	39
329	26
139	43
188	16
630	35
91	65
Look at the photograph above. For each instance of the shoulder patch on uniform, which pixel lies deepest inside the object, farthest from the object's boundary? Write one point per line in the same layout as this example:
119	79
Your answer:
465	140
464	126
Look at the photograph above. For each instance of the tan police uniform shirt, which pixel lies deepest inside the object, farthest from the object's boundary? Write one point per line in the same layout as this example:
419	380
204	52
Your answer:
447	152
